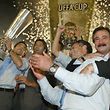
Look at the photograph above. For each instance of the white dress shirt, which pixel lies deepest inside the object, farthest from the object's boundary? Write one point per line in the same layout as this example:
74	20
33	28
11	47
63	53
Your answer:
96	90
63	60
7	77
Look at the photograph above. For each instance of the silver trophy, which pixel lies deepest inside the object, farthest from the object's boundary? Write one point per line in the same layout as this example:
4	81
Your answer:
21	22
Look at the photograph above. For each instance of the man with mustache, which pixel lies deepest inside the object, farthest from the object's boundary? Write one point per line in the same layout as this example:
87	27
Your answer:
93	90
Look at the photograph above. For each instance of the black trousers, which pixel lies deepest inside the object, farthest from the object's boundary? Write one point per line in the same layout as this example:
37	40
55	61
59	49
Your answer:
29	99
6	100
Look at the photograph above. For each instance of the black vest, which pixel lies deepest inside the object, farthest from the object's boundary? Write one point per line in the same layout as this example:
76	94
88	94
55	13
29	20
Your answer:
71	66
103	68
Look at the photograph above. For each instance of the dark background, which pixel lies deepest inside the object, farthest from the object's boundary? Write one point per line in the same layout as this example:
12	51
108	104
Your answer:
7	14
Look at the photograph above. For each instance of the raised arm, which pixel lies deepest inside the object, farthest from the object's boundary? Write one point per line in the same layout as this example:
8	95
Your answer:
85	84
17	54
16	58
56	44
52	95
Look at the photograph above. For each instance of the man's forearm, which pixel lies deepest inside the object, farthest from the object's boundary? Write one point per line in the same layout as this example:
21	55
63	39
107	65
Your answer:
49	93
16	59
86	84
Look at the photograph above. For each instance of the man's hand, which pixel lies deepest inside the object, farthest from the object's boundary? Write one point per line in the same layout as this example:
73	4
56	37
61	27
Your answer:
93	55
37	74
42	62
21	79
8	43
88	69
60	29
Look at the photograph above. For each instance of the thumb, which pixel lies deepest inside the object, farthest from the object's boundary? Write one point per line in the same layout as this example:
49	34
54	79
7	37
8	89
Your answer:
46	55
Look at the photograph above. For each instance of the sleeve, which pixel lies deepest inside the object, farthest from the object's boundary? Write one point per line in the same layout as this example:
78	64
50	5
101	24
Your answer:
103	68
63	59
50	94
86	84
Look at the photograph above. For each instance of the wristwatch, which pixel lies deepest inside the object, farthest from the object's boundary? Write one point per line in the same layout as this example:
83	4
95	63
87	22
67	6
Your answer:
53	68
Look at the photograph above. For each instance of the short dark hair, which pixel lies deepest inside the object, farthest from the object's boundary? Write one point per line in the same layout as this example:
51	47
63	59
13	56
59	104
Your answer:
70	24
100	28
44	43
21	42
83	42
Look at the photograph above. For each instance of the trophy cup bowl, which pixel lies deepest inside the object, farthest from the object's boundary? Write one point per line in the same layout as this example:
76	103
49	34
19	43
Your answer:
21	22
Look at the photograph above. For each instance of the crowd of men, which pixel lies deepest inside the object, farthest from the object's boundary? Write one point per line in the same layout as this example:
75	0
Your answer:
77	81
